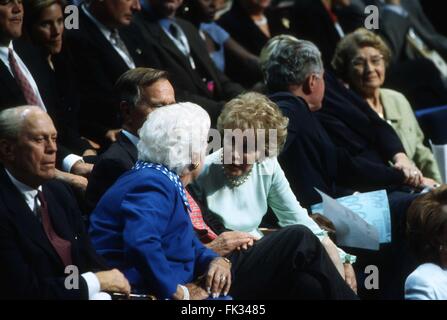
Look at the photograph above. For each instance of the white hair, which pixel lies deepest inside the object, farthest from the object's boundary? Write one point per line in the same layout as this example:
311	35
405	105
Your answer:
11	120
175	136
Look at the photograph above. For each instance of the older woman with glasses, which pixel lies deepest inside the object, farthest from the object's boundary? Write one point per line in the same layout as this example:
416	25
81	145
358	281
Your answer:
361	60
141	225
240	181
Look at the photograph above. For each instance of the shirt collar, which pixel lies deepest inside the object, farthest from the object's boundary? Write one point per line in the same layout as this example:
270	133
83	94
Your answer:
28	192
165	23
134	139
4	51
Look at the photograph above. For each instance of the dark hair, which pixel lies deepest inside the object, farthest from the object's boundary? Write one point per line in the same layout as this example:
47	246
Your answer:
130	83
33	9
426	223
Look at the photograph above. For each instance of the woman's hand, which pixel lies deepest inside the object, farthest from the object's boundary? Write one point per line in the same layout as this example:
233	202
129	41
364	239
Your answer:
350	278
229	241
218	277
413	175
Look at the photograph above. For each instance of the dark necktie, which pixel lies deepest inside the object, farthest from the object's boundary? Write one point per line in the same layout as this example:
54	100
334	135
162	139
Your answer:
62	246
28	92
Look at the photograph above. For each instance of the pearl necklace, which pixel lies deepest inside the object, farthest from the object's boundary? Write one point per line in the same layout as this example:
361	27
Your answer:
235	181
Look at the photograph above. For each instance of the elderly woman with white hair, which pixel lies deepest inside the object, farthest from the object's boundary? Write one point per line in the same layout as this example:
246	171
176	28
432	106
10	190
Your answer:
141	225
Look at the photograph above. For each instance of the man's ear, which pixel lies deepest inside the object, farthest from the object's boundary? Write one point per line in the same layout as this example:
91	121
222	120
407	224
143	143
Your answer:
7	150
309	84
124	108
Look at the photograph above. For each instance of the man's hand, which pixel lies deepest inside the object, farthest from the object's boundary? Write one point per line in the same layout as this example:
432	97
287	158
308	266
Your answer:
112	134
90	152
81	168
229	241
93	144
350	276
113	281
78	182
393	2
413	175
196	292
218	277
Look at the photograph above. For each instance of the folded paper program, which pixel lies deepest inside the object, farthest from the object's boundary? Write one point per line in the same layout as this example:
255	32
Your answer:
361	220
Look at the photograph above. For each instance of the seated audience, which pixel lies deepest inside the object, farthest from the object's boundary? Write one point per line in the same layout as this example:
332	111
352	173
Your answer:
240	181
219	43
26	78
361	60
140	91
184	55
306	269
295	77
41	230
156	247
325	22
105	45
44	27
251	24
427	233
236	246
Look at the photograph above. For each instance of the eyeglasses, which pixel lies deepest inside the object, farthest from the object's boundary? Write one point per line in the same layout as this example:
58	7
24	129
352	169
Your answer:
6	2
375	61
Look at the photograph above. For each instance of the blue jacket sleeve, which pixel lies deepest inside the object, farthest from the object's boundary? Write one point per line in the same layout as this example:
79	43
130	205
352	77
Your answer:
204	256
147	211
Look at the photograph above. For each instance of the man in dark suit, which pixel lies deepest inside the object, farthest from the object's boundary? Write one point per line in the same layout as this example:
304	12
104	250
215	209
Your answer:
41	230
184	55
310	159
105	46
25	78
140	91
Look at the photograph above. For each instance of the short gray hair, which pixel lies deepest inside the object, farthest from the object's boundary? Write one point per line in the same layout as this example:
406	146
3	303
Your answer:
172	135
273	46
291	62
11	121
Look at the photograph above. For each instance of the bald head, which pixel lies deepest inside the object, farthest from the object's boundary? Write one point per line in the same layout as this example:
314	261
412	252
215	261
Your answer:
28	144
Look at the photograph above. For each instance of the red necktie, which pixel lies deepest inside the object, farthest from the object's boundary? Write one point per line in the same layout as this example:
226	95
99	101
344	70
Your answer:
62	246
28	92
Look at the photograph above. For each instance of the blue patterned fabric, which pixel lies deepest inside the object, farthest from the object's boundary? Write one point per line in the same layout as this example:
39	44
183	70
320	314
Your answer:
170	174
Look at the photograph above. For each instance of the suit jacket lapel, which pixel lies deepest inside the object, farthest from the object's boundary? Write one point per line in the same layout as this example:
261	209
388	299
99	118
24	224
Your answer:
24	217
101	41
128	146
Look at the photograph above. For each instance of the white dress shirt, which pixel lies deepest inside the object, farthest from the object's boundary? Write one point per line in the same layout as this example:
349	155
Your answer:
427	282
30	194
134	139
108	35
4	54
